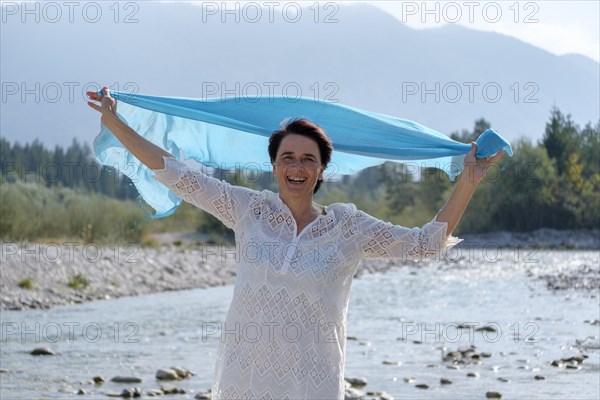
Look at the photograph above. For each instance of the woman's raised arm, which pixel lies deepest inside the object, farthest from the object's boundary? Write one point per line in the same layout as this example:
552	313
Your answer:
147	152
474	171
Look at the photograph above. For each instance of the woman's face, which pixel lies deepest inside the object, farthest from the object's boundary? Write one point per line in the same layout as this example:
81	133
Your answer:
297	166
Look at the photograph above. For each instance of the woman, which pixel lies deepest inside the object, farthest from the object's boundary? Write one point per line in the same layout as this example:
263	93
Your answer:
284	335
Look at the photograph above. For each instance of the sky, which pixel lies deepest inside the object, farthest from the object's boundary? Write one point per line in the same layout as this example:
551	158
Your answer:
558	26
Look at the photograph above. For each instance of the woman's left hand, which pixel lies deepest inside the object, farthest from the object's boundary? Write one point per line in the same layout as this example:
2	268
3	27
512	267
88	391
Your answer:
476	168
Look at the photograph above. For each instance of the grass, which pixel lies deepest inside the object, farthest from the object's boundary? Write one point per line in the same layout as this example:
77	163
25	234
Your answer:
78	281
26	283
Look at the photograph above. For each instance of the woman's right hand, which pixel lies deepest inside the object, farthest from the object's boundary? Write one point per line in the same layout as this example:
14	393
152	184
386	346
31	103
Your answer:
108	105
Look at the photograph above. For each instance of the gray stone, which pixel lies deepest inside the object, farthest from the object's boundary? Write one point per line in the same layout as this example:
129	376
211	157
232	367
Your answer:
167	374
171	389
126	379
131	392
357	381
42	351
182	372
380	395
353	394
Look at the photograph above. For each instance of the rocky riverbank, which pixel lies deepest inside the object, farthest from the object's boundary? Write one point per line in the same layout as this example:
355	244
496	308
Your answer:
41	275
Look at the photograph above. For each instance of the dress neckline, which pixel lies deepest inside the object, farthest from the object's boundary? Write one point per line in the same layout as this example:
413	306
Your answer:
324	213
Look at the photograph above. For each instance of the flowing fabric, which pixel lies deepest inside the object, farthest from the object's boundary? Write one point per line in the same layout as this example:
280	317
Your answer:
233	133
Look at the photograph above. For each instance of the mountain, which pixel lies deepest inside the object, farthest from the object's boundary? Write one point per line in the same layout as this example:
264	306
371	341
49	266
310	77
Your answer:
362	57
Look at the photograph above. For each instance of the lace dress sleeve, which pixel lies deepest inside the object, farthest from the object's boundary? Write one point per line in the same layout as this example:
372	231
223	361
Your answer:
379	239
224	201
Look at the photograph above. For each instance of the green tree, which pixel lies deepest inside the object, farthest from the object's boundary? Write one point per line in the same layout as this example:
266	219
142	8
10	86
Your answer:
524	192
561	138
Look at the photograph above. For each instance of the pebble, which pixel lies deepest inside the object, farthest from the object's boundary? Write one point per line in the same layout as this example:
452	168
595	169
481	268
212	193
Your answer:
357	381
182	372
539	378
422	386
127	393
409	379
381	395
504	380
486	328
465	348
473	374
353	394
573	362
203	396
98	380
445	381
170	389
391	362
42	351
167	374
493	395
126	379
573	366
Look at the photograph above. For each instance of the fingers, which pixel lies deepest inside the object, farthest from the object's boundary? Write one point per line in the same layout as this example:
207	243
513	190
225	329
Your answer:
110	104
93	95
498	155
94	106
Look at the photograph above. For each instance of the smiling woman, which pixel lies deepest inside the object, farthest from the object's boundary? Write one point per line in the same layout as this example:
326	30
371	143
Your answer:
284	334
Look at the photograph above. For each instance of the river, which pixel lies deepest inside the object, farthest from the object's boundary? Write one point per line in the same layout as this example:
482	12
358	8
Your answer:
407	314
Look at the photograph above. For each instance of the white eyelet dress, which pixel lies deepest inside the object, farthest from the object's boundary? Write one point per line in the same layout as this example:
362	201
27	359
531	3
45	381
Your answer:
284	334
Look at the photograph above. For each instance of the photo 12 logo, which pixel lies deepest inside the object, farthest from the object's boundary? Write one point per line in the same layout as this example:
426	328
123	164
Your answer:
67	331
54	92
253	91
52	12
470	91
269	11
491	12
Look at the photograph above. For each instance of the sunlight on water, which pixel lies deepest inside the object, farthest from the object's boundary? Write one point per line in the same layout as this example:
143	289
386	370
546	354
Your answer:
138	335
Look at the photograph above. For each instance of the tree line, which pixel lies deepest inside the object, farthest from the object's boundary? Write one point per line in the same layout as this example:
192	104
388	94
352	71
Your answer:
554	183
71	167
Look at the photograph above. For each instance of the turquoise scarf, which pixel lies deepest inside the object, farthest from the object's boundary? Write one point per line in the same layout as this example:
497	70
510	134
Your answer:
233	133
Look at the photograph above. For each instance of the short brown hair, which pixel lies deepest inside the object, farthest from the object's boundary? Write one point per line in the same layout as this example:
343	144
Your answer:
304	127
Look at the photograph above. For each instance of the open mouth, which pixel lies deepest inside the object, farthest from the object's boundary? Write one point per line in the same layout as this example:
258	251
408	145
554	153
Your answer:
296	181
